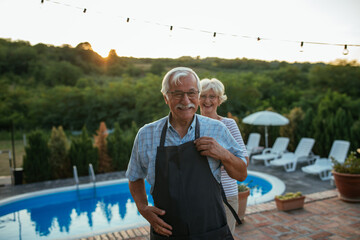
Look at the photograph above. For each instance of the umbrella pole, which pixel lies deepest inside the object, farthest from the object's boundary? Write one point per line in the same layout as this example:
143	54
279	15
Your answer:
266	137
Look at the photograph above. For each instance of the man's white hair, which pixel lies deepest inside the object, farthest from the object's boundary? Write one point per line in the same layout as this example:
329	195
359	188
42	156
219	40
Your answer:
175	75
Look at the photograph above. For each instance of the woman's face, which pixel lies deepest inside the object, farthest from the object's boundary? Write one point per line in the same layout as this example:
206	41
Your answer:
209	102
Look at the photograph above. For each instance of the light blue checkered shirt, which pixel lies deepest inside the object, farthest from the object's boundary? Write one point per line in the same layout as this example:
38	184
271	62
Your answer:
143	156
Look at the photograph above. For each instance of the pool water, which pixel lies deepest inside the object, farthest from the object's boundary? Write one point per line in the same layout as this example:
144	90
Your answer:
258	187
68	213
71	213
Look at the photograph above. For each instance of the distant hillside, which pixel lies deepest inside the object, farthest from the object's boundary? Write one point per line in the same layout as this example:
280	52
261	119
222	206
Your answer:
45	86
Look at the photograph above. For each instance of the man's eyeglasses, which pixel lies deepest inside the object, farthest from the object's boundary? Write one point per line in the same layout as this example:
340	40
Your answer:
211	97
180	94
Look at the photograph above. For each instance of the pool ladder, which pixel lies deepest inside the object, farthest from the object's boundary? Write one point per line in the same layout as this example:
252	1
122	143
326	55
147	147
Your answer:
91	177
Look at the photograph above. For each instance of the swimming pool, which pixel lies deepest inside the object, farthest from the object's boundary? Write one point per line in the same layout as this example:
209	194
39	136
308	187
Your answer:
264	187
65	213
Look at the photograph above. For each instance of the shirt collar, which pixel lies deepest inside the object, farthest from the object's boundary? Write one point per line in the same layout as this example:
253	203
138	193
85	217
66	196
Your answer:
192	125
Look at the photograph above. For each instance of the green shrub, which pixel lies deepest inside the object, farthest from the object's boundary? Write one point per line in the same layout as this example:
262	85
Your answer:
59	160
36	160
351	164
289	195
101	144
243	187
82	153
120	146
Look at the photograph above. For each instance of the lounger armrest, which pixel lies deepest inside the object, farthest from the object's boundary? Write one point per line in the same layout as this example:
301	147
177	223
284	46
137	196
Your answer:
288	154
267	150
323	161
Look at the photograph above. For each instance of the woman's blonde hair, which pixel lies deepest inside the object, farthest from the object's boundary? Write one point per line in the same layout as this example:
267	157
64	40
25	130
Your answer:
216	86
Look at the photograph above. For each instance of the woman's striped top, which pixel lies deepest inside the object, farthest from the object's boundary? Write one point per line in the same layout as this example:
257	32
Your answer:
230	184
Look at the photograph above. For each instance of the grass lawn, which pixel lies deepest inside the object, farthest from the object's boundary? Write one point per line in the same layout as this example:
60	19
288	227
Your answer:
4	157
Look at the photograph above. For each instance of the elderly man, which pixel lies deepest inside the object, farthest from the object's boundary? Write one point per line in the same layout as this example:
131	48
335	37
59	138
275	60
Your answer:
181	157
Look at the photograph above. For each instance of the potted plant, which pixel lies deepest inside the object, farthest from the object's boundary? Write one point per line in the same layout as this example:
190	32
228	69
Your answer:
347	177
243	194
289	201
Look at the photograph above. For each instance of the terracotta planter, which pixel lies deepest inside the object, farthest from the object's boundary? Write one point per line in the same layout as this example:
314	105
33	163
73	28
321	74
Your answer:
290	204
348	186
243	196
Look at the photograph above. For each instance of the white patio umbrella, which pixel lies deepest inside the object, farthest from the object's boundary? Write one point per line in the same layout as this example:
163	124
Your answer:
266	118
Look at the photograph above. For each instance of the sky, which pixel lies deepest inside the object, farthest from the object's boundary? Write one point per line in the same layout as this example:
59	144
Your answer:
141	28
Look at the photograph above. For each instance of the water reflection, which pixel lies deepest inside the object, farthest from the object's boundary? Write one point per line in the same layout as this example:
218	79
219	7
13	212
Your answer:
71	216
255	193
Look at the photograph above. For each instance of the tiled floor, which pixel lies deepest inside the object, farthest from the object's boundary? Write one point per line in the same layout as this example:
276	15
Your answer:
324	216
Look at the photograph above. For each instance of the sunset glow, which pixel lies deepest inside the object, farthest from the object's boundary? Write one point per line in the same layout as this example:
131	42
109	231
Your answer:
281	26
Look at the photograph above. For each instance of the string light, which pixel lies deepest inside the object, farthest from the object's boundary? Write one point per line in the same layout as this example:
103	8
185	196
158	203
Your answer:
302	47
214	35
171	28
345	50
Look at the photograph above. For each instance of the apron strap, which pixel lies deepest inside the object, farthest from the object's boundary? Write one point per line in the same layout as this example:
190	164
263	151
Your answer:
163	132
229	206
197	128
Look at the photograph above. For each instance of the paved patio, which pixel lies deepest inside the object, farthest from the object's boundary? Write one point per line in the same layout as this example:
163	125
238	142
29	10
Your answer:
324	216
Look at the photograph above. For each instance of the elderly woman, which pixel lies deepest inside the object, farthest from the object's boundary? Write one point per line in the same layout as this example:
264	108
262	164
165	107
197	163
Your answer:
212	96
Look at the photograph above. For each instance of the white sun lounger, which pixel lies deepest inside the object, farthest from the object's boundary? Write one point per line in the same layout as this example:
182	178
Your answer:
276	151
302	153
253	142
323	166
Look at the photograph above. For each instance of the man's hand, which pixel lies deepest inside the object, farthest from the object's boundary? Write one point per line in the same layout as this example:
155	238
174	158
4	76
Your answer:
151	214
234	166
208	146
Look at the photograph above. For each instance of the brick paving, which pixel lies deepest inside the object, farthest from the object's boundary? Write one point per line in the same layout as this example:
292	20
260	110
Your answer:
324	216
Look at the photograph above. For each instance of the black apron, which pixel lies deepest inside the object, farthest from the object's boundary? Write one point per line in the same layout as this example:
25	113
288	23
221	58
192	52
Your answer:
189	193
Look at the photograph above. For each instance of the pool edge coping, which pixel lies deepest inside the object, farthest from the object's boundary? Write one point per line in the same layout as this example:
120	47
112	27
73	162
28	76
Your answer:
274	181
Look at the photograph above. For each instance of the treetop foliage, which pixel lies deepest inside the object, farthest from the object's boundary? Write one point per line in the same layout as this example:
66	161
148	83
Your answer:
45	86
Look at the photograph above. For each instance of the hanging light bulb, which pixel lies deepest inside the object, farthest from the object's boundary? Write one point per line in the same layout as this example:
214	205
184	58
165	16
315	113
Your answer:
345	51
302	47
171	28
214	35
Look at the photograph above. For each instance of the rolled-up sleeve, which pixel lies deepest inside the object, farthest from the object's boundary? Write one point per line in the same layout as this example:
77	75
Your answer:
136	169
233	146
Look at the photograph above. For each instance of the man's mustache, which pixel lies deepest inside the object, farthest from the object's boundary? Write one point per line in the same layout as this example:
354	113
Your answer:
181	106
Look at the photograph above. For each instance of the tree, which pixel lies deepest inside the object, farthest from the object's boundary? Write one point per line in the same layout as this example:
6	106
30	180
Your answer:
157	68
82	153
36	159
293	130
120	145
329	121
59	160
62	73
118	148
84	46
105	164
